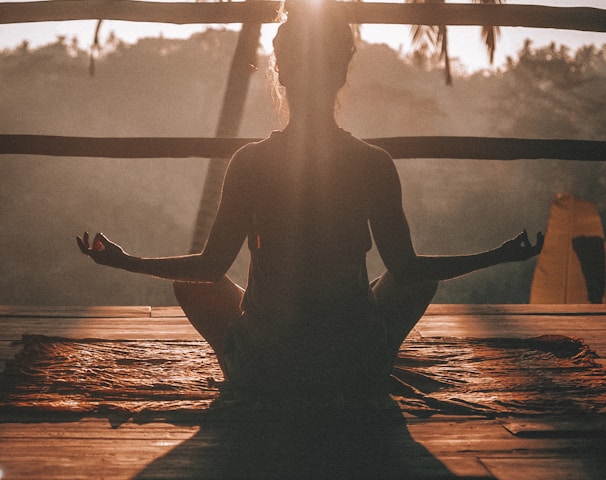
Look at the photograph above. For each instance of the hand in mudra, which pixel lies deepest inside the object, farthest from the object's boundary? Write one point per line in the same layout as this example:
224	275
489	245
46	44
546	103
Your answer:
520	248
102	250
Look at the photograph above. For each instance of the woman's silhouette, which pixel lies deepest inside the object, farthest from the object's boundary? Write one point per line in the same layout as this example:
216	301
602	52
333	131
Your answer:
307	200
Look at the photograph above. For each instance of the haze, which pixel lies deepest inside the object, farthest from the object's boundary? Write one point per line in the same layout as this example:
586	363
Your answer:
162	87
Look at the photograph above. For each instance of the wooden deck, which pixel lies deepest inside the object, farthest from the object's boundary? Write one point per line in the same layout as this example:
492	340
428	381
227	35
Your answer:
543	447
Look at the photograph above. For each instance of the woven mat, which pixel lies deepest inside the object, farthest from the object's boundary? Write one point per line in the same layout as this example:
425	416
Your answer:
493	377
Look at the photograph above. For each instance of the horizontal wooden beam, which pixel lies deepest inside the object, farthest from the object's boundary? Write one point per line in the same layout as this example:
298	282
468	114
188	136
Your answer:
568	18
480	148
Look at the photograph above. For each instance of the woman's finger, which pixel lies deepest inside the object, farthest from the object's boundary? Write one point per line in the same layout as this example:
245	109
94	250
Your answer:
82	245
98	242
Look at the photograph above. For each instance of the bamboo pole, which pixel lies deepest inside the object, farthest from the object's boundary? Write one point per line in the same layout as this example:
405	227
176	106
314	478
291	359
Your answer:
181	13
476	148
232	111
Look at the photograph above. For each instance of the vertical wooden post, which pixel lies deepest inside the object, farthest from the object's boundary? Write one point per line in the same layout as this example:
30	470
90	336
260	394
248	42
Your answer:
245	56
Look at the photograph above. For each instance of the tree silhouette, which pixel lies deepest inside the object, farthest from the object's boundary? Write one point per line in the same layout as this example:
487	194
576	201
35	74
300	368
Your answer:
436	36
168	87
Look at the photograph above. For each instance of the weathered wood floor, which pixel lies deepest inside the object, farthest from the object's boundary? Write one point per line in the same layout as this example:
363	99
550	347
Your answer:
35	447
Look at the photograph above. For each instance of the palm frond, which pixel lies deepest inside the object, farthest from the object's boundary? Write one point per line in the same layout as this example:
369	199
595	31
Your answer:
490	33
435	36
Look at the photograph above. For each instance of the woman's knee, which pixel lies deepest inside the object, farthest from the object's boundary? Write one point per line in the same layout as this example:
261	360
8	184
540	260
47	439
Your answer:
388	290
209	298
428	289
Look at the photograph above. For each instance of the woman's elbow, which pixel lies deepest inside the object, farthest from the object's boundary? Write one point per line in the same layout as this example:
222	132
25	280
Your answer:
213	270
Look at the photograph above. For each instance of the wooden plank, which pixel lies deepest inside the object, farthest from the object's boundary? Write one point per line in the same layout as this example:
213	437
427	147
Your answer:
564	426
553	467
75	447
505	329
90	448
500	452
74	312
515	309
119	461
96	428
186	332
167	312
463	148
444	445
499	324
174	311
456	428
574	18
101	322
31	324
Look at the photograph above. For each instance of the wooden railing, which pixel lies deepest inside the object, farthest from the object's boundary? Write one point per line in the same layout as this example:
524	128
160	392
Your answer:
570	18
399	147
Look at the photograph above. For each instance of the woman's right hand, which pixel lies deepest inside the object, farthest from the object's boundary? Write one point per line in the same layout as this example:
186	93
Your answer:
102	250
520	248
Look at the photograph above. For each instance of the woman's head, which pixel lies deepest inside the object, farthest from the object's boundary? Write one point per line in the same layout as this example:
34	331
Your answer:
313	49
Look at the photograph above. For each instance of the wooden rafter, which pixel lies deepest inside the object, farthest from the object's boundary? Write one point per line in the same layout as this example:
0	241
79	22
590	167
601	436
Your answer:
567	18
484	148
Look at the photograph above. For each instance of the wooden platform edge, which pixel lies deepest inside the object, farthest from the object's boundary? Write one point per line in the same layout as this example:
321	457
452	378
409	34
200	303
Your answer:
130	311
32	311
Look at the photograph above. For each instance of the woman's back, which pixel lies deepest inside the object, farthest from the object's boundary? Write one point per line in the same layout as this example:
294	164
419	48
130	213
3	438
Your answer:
309	313
309	206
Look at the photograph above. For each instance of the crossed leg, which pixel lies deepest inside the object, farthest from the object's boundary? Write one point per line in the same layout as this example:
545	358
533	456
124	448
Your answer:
401	306
210	308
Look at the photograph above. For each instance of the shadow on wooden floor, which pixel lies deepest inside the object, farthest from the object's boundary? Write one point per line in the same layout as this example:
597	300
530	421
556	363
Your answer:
298	444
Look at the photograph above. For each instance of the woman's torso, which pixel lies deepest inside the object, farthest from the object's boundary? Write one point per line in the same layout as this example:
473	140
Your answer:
309	312
308	234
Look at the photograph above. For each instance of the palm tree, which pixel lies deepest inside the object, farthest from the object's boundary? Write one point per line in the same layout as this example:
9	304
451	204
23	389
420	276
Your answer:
437	36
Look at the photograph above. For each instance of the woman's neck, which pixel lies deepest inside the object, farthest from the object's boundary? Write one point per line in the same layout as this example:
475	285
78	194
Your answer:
311	120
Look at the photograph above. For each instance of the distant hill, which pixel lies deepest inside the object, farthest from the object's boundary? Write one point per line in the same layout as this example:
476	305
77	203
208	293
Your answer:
161	87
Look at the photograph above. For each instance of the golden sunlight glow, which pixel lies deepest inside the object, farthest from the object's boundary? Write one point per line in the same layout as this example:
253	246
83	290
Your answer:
312	3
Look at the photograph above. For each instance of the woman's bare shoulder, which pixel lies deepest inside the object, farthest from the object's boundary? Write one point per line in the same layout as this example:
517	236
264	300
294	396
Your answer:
374	160
370	151
256	150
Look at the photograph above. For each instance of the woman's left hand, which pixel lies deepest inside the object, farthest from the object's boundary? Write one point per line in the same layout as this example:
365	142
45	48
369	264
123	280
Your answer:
520	248
102	250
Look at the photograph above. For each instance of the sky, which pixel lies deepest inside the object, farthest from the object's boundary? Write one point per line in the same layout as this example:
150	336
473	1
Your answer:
464	42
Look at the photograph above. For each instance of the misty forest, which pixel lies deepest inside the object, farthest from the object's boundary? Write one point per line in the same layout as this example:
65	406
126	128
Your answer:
174	88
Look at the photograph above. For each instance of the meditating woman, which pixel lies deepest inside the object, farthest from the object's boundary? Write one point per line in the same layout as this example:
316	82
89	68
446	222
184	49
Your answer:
307	200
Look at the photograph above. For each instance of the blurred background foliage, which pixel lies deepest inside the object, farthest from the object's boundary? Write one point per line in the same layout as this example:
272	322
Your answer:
162	87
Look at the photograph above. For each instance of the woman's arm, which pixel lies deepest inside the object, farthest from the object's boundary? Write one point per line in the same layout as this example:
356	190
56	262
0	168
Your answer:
224	242
197	267
445	267
392	237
